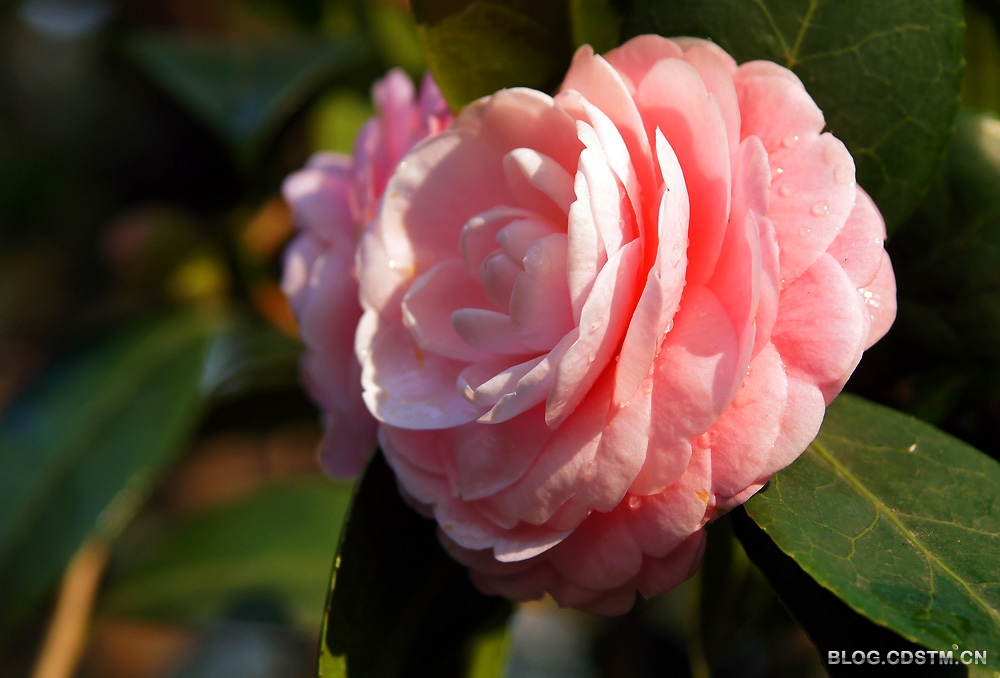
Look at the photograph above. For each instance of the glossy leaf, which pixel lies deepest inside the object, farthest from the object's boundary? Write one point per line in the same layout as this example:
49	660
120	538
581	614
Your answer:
899	520
399	605
82	450
275	544
830	623
886	74
475	47
245	90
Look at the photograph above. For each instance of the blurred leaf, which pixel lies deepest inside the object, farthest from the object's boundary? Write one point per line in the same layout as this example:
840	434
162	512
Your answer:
248	356
981	84
830	623
399	605
83	449
337	119
243	90
476	47
276	543
899	520
886	74
948	258
395	36
596	23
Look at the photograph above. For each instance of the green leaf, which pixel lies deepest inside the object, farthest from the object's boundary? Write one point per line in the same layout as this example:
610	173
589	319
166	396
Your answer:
886	74
399	605
83	450
830	623
899	520
981	84
948	259
476	47
276	544
243	90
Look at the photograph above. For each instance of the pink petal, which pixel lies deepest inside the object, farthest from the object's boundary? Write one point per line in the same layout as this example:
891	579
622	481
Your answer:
822	326
492	457
403	386
523	118
488	331
775	106
811	198
880	298
539	183
540	308
478	238
654	313
858	248
318	197
659	575
770	285
600	554
716	69
687	44
672	98
661	522
634	59
741	438
606	102
603	321
693	379
442	183
429	304
799	426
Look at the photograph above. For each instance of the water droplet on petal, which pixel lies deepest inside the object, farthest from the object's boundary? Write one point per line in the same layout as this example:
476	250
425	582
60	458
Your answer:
591	358
786	190
819	209
634	502
843	174
790	141
395	265
805	231
779	171
595	325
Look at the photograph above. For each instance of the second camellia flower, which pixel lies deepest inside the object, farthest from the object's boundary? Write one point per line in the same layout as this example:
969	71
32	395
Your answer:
592	323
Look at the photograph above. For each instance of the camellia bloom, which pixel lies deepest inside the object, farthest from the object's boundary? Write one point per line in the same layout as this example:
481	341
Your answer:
593	323
333	199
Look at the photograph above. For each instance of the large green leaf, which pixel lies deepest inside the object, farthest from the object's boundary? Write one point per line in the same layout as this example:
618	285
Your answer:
243	90
399	605
899	520
275	544
886	74
475	47
82	450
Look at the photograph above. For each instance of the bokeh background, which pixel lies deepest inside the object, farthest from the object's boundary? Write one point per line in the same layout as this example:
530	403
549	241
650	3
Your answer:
142	148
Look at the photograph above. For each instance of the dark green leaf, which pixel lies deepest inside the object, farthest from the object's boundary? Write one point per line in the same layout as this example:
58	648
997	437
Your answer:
275	544
475	47
829	621
242	90
81	452
899	520
981	84
400	606
886	74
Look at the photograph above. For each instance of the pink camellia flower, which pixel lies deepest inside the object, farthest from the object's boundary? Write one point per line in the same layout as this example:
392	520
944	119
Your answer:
595	322
333	199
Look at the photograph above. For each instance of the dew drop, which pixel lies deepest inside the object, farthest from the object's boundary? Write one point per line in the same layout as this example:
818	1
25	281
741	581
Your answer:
395	265
592	357
779	171
805	231
595	325
786	190
819	209
843	174
670	326
790	141
634	502
912	447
